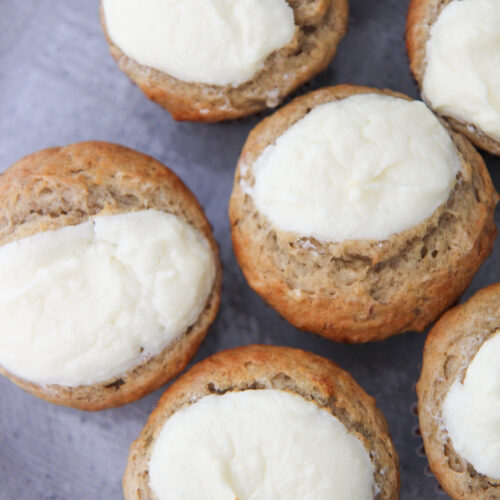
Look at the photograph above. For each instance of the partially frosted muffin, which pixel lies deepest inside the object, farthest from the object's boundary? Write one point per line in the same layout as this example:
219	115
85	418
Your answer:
211	60
357	214
109	275
459	398
454	49
264	422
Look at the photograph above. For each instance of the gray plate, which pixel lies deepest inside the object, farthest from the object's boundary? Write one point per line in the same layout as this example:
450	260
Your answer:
58	85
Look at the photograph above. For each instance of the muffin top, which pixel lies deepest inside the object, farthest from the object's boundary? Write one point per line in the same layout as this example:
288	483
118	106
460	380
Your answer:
266	422
458	397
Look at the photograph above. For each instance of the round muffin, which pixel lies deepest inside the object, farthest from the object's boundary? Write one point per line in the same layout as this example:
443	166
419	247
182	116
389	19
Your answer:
459	398
254	52
454	55
312	264
110	275
229	383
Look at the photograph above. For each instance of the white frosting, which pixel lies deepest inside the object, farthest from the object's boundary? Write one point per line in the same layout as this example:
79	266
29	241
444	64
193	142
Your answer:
462	75
85	303
218	42
471	410
258	445
364	167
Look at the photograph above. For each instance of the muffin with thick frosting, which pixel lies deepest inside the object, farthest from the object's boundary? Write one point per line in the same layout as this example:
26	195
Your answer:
212	60
110	276
357	214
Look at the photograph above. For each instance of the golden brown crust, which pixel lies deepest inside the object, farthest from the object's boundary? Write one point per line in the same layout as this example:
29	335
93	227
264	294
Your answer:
321	24
269	367
450	347
64	186
422	14
358	291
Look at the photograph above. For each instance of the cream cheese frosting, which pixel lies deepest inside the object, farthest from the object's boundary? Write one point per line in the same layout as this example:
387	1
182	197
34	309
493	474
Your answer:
471	410
462	72
85	303
258	445
218	42
364	167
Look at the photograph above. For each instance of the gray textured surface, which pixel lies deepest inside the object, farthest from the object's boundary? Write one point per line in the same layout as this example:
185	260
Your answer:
58	84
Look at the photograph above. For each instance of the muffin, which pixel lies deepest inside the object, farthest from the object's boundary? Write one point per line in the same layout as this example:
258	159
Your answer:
459	398
212	60
454	49
357	214
110	276
264	422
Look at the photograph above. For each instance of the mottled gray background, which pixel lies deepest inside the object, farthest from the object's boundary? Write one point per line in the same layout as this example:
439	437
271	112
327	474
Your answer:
58	85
